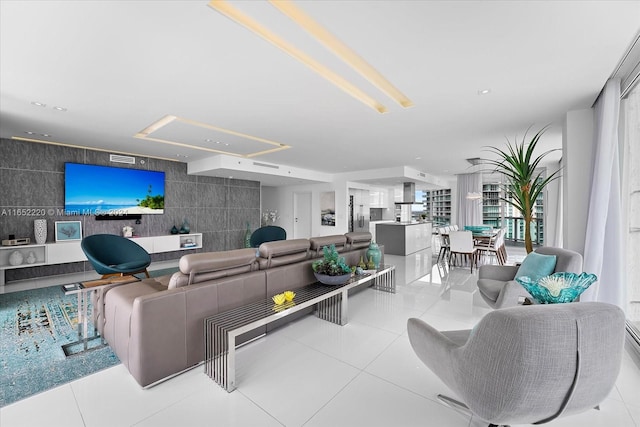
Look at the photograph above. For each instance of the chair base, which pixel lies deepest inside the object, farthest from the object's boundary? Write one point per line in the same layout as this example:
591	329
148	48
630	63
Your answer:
456	404
144	270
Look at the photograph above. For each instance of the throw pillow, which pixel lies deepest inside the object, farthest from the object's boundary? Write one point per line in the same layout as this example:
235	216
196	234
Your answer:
537	266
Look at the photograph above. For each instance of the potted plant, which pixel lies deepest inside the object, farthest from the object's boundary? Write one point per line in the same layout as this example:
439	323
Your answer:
332	269
523	182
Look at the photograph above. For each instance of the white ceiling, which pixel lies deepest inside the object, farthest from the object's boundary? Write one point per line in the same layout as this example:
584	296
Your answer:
119	66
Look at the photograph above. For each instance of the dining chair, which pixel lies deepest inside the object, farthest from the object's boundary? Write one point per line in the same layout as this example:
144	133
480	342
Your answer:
461	243
492	247
443	235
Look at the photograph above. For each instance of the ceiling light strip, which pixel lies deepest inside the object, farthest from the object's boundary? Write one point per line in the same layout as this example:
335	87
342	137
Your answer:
183	145
227	10
164	121
83	147
341	50
230	132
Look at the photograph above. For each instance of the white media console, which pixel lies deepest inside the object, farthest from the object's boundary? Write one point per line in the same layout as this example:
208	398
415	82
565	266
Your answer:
64	252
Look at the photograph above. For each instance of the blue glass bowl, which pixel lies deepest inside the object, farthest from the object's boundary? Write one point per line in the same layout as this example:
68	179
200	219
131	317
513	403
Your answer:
574	285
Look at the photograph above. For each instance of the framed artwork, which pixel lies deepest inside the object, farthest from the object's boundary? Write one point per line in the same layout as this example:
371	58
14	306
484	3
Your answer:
68	230
328	208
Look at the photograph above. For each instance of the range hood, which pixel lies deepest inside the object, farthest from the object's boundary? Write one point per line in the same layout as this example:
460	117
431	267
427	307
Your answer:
408	194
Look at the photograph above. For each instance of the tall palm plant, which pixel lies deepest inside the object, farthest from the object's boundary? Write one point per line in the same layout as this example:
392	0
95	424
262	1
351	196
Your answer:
523	184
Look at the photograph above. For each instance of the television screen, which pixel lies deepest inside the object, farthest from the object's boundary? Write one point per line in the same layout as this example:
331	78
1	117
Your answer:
107	190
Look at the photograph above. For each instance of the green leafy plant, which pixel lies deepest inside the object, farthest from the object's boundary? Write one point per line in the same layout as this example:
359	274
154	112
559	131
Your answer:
153	202
524	181
332	263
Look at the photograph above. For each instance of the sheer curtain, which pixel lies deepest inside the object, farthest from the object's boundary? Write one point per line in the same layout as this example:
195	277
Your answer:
469	210
603	252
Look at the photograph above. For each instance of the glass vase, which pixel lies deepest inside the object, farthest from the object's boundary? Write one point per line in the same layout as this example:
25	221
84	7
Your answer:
373	253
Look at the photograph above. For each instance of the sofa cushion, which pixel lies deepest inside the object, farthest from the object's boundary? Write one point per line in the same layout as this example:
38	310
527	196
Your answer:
317	243
358	239
536	266
196	268
282	252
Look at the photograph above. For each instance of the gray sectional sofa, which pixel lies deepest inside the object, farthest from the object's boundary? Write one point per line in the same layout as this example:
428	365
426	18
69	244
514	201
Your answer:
156	326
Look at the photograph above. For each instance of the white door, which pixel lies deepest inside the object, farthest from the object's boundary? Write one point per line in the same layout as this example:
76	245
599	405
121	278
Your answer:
302	215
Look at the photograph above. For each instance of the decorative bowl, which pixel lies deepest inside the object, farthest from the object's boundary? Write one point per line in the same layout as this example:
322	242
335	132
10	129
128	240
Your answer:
289	295
558	287
278	299
332	280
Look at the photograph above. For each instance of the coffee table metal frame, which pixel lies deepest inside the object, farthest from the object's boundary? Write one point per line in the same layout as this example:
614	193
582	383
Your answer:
84	290
222	329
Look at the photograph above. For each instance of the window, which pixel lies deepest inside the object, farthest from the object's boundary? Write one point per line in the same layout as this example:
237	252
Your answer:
631	136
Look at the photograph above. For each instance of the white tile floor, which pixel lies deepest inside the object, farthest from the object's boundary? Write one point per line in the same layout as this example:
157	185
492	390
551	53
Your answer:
314	373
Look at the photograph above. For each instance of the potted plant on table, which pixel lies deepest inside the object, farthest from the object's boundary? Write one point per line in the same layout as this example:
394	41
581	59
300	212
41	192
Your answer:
524	182
332	269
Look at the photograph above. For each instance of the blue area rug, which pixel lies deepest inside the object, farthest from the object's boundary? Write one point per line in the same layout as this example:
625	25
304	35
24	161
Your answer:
34	325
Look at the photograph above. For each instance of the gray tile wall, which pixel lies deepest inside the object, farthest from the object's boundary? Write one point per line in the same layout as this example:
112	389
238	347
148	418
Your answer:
32	177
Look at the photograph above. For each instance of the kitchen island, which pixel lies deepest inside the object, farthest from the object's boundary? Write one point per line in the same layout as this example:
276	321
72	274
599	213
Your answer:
404	238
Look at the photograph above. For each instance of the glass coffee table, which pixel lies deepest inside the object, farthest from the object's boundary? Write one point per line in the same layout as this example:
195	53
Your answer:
330	302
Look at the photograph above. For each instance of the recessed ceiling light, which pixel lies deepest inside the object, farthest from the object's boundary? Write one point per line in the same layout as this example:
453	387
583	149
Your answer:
45	135
59	108
38	104
418	158
208	140
28	132
484	91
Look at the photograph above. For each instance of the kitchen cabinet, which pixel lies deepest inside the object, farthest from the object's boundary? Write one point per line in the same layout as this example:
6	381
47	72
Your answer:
378	199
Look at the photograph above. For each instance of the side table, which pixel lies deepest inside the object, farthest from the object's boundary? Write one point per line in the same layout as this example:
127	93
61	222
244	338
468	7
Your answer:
84	290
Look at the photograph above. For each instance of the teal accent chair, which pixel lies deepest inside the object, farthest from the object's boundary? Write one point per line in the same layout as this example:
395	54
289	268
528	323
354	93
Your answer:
268	233
112	255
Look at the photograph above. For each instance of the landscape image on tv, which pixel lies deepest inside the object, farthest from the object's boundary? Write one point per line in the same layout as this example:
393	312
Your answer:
106	190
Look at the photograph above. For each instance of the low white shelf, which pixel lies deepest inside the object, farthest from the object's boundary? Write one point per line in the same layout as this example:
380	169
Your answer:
64	252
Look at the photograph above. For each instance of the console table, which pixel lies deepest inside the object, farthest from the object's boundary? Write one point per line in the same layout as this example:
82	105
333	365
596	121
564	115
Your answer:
330	304
64	252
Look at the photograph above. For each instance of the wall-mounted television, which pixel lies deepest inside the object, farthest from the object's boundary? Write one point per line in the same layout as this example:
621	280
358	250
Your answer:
112	191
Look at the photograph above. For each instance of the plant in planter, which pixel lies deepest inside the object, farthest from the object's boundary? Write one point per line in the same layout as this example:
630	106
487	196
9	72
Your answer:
332	268
524	182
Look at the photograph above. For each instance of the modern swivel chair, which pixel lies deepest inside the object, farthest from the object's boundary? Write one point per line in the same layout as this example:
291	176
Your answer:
268	233
529	364
112	255
497	284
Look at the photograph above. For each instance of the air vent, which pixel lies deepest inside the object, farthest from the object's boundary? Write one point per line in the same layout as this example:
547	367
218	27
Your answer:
475	161
117	158
422	174
265	165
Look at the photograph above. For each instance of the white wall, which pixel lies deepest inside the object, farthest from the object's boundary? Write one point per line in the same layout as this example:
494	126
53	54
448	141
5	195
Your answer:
553	209
282	199
578	154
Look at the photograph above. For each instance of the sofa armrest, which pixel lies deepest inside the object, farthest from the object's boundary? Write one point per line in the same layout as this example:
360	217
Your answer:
511	295
158	323
497	272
